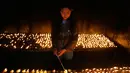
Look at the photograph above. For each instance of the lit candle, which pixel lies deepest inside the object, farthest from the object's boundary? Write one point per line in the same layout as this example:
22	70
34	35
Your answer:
115	67
69	70
33	71
45	71
27	71
54	71
37	71
23	71
86	70
12	71
82	70
18	71
65	71
41	71
5	70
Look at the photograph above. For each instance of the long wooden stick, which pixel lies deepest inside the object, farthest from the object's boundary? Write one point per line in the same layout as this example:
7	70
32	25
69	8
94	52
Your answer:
61	62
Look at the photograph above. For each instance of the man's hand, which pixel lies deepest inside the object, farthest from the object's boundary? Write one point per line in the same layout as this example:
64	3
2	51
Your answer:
61	52
55	52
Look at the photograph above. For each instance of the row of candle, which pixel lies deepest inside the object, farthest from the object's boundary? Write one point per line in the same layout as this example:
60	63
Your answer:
92	70
21	40
94	41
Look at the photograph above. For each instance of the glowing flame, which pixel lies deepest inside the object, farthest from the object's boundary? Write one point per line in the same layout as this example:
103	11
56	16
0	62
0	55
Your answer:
23	41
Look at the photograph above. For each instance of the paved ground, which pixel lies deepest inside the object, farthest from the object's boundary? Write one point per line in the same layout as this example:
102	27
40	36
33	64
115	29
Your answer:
15	59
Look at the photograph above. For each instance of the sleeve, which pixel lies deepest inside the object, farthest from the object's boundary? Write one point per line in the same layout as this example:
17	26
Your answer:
73	39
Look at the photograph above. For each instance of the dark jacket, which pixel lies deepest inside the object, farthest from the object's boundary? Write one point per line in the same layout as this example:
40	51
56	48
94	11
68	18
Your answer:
64	36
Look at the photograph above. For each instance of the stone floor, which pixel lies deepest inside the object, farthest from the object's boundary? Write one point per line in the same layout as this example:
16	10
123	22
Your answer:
14	59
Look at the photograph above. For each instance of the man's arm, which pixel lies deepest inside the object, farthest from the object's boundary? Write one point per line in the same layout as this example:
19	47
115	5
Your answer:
73	40
71	43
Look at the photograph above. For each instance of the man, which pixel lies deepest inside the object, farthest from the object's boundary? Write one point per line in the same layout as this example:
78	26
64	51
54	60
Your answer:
64	35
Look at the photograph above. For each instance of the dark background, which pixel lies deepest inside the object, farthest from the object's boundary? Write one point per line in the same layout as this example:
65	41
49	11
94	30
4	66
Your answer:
111	13
114	14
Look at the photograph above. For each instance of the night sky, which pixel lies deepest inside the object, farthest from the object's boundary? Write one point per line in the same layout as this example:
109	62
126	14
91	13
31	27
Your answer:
109	12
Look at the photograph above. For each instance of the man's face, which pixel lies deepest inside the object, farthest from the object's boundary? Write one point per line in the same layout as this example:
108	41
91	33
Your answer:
65	13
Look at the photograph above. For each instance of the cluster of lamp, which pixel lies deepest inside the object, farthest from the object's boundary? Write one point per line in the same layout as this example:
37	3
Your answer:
94	41
21	40
45	41
88	70
27	41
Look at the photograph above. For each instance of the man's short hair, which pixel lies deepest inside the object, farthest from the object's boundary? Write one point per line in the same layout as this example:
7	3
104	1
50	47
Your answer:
67	7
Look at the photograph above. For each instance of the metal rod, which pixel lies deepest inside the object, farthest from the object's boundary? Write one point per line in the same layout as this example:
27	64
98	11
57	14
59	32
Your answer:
60	62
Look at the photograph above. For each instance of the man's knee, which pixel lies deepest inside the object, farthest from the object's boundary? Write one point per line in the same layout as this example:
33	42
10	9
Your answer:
68	55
